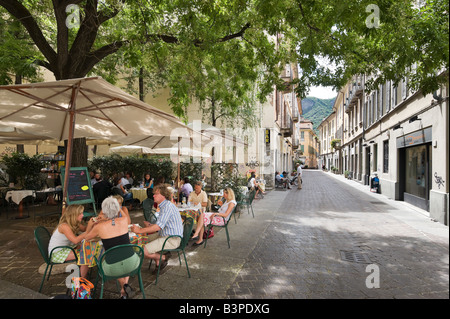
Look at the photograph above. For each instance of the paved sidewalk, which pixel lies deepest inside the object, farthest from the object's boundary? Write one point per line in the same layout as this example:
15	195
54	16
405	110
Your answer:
215	267
404	212
336	240
9	290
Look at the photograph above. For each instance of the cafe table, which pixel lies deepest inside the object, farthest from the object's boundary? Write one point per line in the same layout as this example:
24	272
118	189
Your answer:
51	192
94	248
18	196
139	193
191	212
213	197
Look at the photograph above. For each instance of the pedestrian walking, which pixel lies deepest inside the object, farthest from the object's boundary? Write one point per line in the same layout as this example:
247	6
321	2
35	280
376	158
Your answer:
299	176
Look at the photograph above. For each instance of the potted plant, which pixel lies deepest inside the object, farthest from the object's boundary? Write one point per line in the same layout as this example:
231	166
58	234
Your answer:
24	170
336	144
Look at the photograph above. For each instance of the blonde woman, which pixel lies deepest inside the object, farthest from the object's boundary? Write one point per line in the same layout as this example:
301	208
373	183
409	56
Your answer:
219	218
123	210
67	233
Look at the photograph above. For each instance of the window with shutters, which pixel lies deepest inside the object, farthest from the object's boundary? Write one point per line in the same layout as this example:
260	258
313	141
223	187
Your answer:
386	156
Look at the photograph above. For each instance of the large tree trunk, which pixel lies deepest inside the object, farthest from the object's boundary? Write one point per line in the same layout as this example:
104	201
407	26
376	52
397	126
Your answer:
79	152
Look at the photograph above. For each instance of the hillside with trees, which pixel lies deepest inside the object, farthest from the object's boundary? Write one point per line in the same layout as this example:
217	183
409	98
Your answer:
315	110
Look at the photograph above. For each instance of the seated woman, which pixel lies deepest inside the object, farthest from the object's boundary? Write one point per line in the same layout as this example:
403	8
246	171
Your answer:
254	185
113	231
67	234
148	184
217	218
123	210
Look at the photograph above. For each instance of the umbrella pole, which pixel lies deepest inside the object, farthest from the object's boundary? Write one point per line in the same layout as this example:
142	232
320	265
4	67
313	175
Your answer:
178	166
68	161
75	90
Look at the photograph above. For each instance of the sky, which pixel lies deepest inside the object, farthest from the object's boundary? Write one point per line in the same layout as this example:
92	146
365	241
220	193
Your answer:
322	92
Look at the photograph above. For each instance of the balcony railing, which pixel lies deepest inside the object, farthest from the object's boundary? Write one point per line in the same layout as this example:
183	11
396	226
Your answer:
287	126
295	143
287	77
287	74
294	108
357	86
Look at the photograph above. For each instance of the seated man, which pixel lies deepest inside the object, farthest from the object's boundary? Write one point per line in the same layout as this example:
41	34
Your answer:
101	189
119	189
198	196
130	180
282	180
169	223
124	182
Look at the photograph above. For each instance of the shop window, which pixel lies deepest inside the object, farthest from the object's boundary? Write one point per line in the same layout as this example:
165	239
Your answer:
416	171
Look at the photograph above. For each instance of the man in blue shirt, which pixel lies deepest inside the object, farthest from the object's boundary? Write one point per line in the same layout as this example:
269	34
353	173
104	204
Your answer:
169	224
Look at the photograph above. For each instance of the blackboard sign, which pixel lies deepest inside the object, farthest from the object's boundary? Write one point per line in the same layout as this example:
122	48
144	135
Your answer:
79	189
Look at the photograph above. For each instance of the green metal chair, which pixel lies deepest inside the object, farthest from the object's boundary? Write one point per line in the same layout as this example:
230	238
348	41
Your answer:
187	230
210	226
42	237
114	253
248	200
147	206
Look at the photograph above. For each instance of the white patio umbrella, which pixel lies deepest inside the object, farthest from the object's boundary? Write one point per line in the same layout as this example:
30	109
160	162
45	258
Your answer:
87	107
215	138
134	149
130	149
224	136
12	135
184	151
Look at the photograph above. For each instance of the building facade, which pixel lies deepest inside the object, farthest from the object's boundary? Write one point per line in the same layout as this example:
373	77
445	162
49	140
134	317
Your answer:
308	144
395	134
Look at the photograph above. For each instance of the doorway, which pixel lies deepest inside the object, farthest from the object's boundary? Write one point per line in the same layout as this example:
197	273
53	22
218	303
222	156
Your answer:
367	166
415	168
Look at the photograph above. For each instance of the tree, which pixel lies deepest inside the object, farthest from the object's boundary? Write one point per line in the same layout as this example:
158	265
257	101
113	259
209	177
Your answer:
154	38
225	85
16	55
391	39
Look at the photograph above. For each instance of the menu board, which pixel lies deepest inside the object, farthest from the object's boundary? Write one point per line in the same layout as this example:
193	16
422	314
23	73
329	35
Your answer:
79	189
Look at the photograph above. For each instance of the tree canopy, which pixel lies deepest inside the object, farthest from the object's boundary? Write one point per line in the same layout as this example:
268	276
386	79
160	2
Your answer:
222	49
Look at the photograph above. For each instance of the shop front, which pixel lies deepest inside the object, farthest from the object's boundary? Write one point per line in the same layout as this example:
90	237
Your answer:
415	167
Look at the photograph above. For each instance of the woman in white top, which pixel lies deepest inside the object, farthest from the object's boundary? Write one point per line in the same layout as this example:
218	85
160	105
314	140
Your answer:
254	185
66	234
219	218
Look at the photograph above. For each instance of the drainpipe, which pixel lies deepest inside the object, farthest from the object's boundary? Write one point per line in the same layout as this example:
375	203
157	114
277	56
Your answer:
364	107
363	151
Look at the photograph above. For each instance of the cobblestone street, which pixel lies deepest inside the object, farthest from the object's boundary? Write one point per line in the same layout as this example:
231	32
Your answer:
300	253
297	246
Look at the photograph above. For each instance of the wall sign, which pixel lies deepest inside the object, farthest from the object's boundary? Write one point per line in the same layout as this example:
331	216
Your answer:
79	189
415	138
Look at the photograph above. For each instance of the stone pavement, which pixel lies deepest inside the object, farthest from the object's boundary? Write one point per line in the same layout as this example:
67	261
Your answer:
301	254
297	246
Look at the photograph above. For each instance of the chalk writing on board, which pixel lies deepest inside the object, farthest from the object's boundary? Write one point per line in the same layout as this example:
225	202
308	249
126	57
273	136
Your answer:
79	187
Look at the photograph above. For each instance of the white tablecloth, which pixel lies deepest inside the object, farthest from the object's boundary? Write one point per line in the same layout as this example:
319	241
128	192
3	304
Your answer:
17	196
139	193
